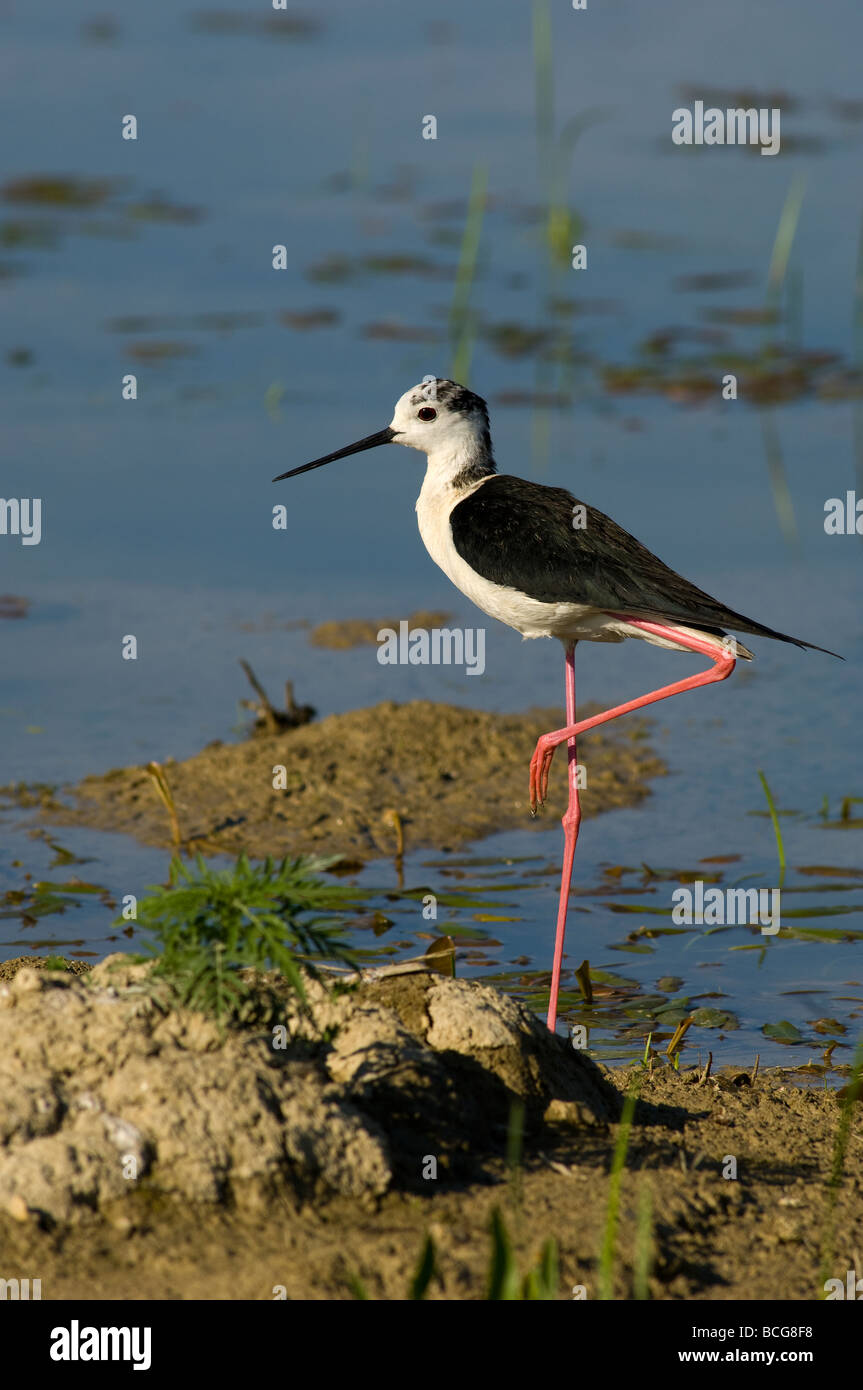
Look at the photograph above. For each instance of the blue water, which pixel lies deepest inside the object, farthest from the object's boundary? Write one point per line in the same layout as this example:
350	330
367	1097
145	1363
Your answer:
157	513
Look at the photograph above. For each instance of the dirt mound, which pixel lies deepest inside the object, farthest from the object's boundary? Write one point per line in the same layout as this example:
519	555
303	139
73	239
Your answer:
108	1097
730	1190
452	775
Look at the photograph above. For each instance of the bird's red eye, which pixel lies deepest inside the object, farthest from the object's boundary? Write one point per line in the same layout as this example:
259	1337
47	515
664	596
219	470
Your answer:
426	413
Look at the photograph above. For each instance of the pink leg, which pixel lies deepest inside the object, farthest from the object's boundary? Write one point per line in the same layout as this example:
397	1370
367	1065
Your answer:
571	822
723	664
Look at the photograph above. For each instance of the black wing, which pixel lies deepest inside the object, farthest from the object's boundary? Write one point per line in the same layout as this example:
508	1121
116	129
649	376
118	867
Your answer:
521	535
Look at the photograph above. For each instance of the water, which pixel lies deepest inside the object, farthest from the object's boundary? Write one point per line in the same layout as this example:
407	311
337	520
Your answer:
157	513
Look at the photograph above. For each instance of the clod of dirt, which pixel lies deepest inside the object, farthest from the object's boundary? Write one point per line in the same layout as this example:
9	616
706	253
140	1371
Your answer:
106	1094
451	774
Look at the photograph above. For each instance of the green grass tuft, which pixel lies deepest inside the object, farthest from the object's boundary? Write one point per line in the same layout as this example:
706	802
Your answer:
209	924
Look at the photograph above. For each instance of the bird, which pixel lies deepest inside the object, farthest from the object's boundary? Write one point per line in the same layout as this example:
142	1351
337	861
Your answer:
542	562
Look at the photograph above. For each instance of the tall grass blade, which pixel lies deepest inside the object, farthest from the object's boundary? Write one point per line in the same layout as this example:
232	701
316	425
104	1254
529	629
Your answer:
514	1146
779	483
503	1283
785	233
543	72
643	1260
777	830
425	1270
852	1099
618	1163
461	323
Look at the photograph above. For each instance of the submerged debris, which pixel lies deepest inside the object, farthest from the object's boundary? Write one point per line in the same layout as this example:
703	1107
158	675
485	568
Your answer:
268	719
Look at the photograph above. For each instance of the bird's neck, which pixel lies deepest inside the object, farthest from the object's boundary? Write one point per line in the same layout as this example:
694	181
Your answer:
460	467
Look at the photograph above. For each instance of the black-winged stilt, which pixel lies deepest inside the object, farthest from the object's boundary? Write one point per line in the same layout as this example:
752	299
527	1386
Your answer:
549	566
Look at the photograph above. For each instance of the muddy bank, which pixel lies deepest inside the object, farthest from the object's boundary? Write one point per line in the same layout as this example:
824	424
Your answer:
451	775
307	1167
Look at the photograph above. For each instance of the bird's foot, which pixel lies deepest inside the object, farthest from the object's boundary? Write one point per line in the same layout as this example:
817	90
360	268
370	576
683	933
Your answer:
539	768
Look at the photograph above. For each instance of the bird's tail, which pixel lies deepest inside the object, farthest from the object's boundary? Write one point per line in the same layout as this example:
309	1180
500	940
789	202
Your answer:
738	623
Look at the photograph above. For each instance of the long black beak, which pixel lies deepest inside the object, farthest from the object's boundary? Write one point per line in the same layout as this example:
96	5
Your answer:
371	442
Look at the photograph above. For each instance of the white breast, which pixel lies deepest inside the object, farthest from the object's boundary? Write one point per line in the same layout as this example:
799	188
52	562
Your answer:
529	616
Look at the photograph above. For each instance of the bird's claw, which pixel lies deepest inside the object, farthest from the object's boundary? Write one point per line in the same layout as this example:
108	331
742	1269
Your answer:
539	766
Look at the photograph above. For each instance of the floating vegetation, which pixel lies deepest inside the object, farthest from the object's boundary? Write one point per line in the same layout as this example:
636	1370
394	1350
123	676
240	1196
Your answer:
60	190
65	204
14	606
843	109
213	322
302	320
664	340
100	29
617	1011
336	270
739	96
709	282
564	306
283	24
16	234
45	898
160	351
639	239
830	871
474	895
159	209
393	331
746	317
783	1032
547	400
517	339
846	819
768	377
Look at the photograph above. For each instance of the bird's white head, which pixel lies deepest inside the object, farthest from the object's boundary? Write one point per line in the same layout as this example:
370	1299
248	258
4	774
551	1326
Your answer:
442	418
446	421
